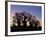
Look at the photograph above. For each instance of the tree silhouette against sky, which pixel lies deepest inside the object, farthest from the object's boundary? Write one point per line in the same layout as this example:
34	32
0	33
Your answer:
20	21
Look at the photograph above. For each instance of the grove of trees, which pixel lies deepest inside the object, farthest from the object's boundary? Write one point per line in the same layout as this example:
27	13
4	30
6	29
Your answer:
24	21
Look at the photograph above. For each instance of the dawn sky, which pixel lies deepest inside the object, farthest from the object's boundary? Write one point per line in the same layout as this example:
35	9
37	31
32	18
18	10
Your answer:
34	10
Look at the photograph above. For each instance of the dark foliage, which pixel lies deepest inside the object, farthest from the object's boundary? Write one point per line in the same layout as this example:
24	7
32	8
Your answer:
25	18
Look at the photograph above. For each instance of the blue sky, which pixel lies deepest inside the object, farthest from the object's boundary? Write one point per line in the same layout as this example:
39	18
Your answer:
34	10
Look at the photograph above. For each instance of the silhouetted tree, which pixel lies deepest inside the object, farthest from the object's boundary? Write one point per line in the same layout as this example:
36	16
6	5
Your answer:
22	18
